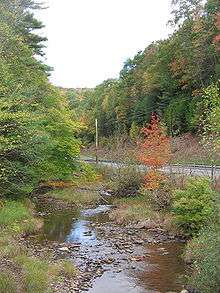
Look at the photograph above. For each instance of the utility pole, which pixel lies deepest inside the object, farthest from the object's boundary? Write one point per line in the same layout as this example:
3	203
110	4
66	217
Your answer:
96	140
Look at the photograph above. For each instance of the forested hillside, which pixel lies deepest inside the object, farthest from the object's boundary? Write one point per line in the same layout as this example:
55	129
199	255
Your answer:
37	132
178	78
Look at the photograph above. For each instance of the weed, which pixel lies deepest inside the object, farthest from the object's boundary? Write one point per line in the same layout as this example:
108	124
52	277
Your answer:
7	283
131	209
69	269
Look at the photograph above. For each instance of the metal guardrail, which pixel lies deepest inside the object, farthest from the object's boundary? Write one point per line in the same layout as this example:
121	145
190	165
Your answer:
202	166
212	171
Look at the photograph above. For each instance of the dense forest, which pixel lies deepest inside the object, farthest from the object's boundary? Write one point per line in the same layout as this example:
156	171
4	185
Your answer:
37	132
177	78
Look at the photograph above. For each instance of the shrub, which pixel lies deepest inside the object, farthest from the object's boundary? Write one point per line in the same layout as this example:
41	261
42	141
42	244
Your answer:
7	283
88	172
160	198
193	205
203	251
126	181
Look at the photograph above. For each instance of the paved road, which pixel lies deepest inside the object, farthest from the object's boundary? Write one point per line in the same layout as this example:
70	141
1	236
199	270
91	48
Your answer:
194	170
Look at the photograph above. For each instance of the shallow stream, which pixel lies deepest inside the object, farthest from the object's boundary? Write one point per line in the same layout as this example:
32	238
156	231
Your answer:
114	258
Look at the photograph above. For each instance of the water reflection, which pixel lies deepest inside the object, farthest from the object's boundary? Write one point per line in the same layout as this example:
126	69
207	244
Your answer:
162	267
74	226
80	232
58	226
158	272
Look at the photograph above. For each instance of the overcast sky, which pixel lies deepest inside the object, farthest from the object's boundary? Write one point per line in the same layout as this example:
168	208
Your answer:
89	40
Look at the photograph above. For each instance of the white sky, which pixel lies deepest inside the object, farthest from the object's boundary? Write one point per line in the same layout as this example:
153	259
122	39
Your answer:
89	40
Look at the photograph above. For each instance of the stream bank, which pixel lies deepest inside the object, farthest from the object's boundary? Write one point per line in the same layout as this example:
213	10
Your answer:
110	257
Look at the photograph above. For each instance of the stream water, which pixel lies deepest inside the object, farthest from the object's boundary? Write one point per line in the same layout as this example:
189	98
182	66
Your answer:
119	259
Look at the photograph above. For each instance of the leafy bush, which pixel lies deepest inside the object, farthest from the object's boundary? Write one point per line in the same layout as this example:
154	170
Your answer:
203	251
88	172
193	205
7	283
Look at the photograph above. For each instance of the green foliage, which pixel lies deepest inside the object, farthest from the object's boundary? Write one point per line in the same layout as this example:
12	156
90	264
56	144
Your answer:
193	205
37	132
134	132
13	212
36	274
164	78
209	105
203	251
7	283
88	172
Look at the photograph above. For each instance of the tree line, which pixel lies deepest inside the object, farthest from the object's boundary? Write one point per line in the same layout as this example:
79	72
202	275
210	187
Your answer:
37	131
176	78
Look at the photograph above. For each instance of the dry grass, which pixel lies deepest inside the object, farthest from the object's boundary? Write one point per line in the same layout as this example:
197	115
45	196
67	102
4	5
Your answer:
131	209
78	197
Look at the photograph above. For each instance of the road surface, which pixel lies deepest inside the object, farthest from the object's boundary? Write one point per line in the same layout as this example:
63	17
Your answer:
193	170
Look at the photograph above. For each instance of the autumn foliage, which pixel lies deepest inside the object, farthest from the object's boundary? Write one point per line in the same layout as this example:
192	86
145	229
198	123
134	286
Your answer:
154	152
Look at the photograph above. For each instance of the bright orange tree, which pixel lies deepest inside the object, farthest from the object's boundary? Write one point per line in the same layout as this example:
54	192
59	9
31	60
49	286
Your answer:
154	152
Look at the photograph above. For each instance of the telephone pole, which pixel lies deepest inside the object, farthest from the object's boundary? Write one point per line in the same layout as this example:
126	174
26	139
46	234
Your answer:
96	140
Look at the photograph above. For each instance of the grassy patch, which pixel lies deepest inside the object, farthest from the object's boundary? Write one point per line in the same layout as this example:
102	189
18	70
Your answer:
76	196
37	273
131	209
21	271
17	216
7	283
138	209
203	251
13	212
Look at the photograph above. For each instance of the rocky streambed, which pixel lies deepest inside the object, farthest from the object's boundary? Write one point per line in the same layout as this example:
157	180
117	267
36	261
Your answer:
111	258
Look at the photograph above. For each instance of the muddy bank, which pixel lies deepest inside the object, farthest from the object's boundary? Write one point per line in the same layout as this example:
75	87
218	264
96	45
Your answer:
110	257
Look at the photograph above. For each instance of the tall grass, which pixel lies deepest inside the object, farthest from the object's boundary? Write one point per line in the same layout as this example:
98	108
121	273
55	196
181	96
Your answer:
131	209
7	283
13	212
